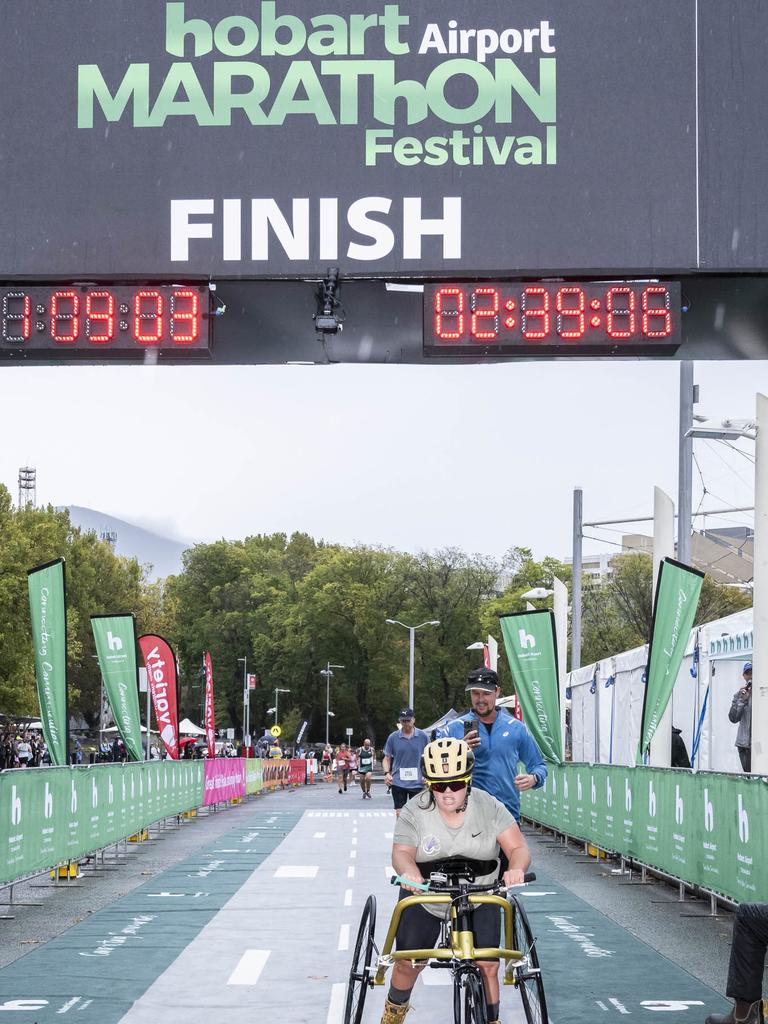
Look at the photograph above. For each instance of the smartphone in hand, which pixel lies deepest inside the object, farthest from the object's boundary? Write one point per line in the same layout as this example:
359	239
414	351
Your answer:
469	726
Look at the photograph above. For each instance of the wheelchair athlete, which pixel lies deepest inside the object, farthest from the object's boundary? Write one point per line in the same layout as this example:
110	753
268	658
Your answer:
450	819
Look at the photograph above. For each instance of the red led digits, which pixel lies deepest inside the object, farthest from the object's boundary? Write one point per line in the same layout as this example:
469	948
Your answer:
570	312
16	318
657	319
185	317
621	319
535	322
65	317
148	317
484	322
454	314
100	317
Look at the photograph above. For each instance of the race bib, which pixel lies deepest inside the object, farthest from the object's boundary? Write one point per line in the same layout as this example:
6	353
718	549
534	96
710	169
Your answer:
409	774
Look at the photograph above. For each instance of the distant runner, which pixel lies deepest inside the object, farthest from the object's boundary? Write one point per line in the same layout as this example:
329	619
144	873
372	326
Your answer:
365	767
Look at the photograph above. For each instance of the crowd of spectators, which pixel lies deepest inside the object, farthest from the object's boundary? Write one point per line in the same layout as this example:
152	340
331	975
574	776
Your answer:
22	748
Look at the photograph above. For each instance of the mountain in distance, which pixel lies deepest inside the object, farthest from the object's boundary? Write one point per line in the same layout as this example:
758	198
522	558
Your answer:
161	554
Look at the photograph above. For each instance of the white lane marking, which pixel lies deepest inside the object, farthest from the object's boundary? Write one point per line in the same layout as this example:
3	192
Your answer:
319	835
601	1004
68	1006
351	871
248	970
619	1005
297	871
347	897
343	938
526	892
336	1005
354	840
352	854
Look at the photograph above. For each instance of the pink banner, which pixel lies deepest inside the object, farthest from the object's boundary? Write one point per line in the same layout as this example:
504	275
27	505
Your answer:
210	724
297	771
224	779
160	662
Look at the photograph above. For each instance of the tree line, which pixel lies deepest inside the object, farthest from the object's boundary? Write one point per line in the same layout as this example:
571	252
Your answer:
290	605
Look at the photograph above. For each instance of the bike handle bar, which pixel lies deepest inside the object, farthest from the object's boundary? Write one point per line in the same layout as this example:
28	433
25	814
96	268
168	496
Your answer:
488	887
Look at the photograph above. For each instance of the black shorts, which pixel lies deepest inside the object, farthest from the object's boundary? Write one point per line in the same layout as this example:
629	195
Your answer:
418	929
401	795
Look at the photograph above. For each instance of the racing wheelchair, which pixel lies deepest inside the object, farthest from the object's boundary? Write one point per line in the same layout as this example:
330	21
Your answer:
451	883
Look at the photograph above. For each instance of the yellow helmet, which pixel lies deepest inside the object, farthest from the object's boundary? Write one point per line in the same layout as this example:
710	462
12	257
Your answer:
446	760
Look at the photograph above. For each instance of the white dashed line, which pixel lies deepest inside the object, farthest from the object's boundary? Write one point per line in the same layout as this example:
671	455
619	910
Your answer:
351	871
353	854
248	970
319	835
344	938
297	871
354	840
347	897
336	1005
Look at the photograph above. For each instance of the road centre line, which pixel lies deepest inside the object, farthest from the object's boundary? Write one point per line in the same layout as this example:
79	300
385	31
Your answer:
347	897
249	968
336	1005
319	835
353	854
344	938
351	871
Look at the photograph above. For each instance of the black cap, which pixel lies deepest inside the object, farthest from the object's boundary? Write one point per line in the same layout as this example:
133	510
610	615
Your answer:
406	713
482	679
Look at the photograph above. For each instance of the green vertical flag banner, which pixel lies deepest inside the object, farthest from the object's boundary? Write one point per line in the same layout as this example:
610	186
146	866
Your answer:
48	608
115	637
674	609
529	640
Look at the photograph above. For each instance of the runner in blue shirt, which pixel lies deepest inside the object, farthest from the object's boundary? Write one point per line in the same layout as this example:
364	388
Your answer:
402	760
499	742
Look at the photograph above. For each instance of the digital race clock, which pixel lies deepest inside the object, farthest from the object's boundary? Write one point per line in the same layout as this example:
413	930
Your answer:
550	318
111	320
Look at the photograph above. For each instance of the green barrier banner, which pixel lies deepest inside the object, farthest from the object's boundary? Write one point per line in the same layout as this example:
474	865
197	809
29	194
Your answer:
52	815
704	828
677	597
115	637
529	640
254	779
48	609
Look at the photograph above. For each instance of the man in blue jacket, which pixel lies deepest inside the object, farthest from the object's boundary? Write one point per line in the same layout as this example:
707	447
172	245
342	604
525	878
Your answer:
500	743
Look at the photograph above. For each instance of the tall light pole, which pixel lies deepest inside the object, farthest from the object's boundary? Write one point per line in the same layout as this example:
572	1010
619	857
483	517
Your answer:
412	638
279	690
246	702
327	673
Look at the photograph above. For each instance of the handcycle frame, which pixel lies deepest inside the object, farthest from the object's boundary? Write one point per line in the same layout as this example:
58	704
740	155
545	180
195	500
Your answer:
462	942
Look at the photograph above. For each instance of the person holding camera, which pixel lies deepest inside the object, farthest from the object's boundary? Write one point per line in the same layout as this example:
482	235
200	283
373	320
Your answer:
741	712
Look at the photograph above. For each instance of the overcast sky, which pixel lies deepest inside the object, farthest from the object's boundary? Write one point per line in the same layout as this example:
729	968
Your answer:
482	457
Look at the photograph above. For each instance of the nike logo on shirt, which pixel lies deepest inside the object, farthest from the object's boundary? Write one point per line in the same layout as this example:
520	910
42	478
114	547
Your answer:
476	834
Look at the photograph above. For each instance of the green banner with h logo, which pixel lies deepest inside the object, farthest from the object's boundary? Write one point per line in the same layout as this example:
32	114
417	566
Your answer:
529	640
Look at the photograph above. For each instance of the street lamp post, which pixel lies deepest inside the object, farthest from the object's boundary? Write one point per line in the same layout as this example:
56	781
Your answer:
327	673
411	647
279	690
246	702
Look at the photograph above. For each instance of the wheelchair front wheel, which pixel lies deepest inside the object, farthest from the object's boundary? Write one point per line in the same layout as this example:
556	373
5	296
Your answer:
360	975
528	974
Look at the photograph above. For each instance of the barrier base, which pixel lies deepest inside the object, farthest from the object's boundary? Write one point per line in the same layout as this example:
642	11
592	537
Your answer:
139	837
66	872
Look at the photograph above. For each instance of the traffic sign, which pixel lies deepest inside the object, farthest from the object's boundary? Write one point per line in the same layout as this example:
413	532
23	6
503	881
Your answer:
349	731
275	730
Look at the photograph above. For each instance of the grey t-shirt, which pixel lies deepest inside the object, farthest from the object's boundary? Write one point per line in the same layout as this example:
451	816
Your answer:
422	827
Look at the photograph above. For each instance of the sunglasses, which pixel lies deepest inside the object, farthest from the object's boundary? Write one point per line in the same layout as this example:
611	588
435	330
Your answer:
455	787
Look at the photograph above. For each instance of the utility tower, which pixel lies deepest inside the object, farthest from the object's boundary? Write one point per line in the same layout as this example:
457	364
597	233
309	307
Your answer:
27	486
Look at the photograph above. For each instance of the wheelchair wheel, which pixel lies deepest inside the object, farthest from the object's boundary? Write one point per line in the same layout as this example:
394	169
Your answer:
469	1005
528	974
360	977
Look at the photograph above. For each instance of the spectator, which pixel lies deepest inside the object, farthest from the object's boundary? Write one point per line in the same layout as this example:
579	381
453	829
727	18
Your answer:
679	757
741	712
24	750
745	969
